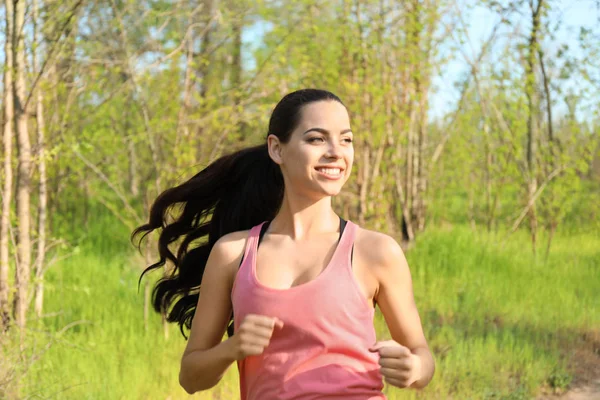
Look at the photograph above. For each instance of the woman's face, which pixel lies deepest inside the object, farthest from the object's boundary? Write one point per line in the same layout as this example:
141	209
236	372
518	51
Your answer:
317	160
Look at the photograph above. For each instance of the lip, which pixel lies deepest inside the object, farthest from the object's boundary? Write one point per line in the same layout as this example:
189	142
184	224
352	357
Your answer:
331	166
332	178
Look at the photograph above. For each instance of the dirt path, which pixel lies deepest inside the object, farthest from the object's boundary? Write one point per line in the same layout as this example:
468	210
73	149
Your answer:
587	392
586	366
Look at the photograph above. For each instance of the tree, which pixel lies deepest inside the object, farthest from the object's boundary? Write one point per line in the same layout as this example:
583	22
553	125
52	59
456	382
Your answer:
7	188
532	113
23	269
41	157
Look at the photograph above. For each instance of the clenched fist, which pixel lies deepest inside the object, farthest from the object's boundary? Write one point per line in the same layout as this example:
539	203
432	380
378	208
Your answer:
253	335
399	366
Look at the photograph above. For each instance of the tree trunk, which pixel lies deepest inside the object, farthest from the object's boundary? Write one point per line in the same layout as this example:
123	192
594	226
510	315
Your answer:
8	173
204	55
39	267
236	62
532	136
471	203
237	74
182	131
488	174
407	227
404	189
23	270
553	218
148	259
410	161
422	170
61	73
424	85
137	93
411	89
364	165
419	138
134	179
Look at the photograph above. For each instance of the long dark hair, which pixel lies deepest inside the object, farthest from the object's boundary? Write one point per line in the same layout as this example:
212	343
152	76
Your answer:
234	193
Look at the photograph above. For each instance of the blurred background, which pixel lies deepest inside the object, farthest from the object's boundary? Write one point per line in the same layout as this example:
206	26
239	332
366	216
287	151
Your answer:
477	147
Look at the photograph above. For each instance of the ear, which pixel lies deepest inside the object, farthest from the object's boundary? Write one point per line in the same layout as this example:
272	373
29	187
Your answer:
275	149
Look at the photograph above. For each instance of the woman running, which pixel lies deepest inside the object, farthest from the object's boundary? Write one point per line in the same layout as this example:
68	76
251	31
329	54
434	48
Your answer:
263	256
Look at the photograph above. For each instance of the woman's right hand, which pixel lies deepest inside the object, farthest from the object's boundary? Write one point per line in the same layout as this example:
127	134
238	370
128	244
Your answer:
253	335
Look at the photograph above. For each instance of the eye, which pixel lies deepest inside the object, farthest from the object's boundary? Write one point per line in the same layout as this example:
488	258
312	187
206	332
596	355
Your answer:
316	139
348	140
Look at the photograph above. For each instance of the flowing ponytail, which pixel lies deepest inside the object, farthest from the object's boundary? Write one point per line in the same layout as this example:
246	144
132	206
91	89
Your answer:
236	192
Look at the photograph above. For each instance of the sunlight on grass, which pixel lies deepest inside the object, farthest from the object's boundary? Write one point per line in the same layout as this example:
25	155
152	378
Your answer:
495	317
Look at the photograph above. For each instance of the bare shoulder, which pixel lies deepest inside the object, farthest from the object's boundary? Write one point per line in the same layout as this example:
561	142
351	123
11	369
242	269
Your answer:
231	246
228	251
379	250
232	242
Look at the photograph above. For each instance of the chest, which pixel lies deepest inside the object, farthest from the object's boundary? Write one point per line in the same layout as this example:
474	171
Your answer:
283	263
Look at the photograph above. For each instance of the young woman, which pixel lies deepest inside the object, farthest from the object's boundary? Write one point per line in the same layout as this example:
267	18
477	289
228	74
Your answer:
263	255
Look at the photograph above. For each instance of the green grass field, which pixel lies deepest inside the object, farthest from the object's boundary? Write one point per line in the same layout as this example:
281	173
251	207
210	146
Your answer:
497	320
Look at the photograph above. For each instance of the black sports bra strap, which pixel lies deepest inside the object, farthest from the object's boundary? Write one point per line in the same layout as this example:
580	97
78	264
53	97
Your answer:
265	226
343	223
263	230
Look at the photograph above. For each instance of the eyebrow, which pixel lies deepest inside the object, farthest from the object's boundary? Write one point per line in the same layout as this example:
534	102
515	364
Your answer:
326	132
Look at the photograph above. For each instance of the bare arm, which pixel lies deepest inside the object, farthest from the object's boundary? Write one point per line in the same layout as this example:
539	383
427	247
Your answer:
206	357
396	301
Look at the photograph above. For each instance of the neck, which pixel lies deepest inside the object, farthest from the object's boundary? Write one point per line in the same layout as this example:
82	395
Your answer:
300	217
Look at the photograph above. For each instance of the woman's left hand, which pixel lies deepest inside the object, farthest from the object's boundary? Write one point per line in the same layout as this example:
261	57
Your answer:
399	366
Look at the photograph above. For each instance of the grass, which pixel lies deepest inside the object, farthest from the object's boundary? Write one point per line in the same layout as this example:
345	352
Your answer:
498	320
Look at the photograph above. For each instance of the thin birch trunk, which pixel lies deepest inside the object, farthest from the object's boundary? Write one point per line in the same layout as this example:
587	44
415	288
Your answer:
205	50
182	131
553	223
364	167
8	172
43	193
23	271
532	135
134	179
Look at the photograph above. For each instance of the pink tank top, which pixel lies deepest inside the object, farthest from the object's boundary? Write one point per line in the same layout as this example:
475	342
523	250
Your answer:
322	350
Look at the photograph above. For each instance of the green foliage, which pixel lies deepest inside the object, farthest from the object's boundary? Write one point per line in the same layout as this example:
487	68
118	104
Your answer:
116	116
117	97
497	320
560	379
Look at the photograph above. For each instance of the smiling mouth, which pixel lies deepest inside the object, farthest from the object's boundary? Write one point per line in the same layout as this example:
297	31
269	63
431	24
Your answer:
330	172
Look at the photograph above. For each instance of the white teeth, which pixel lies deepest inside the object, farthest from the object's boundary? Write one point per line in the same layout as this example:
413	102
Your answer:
330	171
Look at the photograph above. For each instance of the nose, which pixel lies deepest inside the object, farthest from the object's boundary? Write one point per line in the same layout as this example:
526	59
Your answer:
334	150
